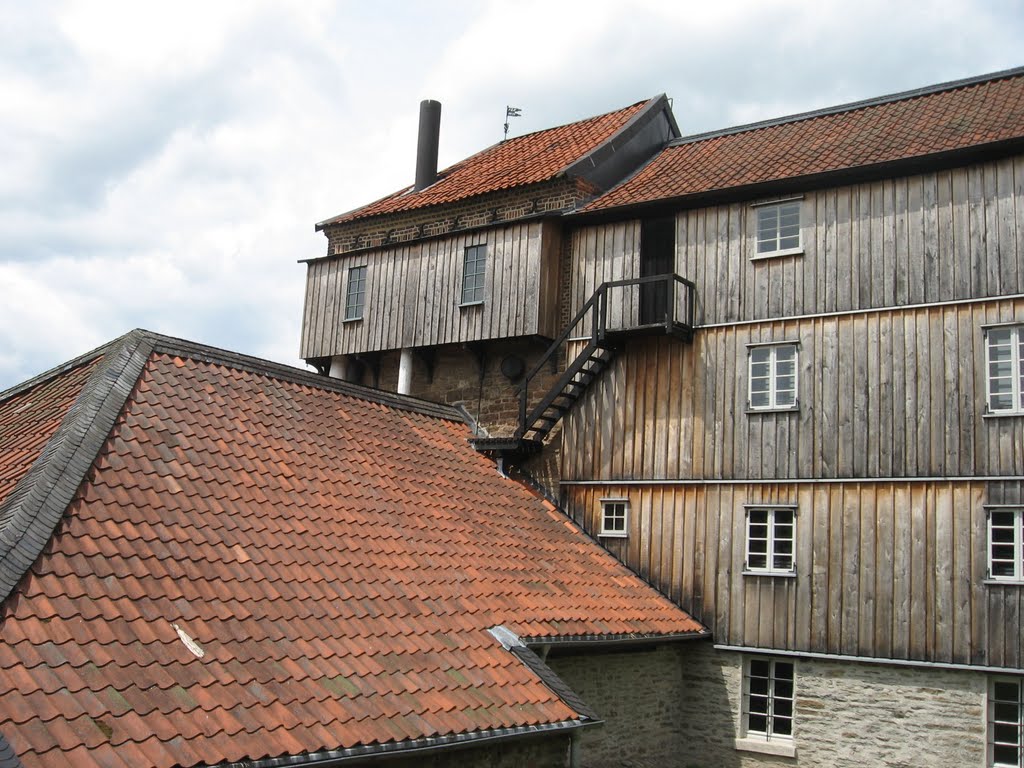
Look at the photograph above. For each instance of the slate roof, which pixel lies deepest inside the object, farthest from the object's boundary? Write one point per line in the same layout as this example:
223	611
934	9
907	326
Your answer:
245	561
529	159
929	122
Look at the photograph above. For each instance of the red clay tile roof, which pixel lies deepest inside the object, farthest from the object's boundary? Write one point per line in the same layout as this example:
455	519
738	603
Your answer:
30	416
528	159
338	560
890	129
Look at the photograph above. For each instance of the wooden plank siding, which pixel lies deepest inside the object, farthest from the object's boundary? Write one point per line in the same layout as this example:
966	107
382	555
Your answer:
413	293
887	570
893	393
943	236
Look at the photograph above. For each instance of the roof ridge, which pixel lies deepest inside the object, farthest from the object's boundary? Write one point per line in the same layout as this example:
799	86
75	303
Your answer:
852	106
448	170
29	515
57	370
294	375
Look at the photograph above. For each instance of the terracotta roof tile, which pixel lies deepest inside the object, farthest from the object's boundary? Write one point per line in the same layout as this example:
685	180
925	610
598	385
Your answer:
516	162
339	575
29	418
923	124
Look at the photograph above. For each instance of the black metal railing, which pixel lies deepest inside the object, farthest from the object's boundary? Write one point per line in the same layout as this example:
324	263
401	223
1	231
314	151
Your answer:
618	308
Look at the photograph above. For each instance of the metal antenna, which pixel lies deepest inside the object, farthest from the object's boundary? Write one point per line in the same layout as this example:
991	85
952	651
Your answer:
511	112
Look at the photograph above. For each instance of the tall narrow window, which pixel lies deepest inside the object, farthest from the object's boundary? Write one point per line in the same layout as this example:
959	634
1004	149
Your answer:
473	270
355	293
768	698
772	377
1006	544
778	229
614	518
1005	722
770	540
1004	350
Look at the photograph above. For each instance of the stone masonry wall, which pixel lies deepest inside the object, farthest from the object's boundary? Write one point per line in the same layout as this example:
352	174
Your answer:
847	715
641	696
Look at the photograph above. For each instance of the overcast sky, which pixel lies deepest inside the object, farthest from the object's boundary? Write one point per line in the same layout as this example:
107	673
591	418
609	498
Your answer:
163	164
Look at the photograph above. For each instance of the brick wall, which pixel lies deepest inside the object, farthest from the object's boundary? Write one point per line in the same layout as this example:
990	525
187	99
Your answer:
847	715
507	205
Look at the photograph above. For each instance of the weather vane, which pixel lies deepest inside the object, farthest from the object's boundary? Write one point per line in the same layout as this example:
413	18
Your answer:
511	112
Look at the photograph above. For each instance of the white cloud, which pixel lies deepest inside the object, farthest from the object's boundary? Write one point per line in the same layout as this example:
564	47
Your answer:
164	164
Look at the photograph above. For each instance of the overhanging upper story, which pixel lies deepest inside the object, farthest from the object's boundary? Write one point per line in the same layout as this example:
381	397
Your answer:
474	254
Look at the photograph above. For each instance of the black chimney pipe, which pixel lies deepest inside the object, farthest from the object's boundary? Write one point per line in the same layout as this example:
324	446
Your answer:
426	144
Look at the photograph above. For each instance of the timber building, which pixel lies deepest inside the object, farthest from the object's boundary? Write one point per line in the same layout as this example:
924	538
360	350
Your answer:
778	370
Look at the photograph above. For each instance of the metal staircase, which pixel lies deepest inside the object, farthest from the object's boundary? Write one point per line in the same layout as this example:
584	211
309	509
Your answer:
618	310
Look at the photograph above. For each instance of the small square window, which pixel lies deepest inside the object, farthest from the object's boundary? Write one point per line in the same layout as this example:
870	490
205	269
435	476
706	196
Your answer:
778	229
768	699
1005	722
772	377
770	536
355	293
1004	369
474	270
614	518
1006	544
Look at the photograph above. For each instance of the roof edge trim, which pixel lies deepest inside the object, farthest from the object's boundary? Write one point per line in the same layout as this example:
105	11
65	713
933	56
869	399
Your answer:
654	107
35	507
851	106
599	641
412	747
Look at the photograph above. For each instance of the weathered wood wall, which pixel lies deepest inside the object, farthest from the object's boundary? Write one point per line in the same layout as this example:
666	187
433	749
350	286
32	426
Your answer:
943	236
889	570
890	441
893	393
413	293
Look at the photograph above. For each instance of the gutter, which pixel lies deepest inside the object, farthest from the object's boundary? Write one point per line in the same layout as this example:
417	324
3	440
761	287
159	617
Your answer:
414	747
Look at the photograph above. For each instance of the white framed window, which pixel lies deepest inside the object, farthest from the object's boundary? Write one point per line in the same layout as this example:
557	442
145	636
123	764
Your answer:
768	687
1005	543
772	377
778	229
355	293
1004	368
474	268
1005	722
770	537
614	518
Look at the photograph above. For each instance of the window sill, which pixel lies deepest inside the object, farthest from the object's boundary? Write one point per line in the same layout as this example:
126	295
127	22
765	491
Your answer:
777	746
1004	582
1001	414
783	574
604	535
471	304
787	409
778	254
351	319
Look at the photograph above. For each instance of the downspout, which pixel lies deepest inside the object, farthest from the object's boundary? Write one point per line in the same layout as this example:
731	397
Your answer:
574	749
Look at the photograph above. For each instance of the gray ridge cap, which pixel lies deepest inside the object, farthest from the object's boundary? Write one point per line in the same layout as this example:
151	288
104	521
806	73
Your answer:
29	515
57	370
850	106
649	111
556	684
8	757
32	511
